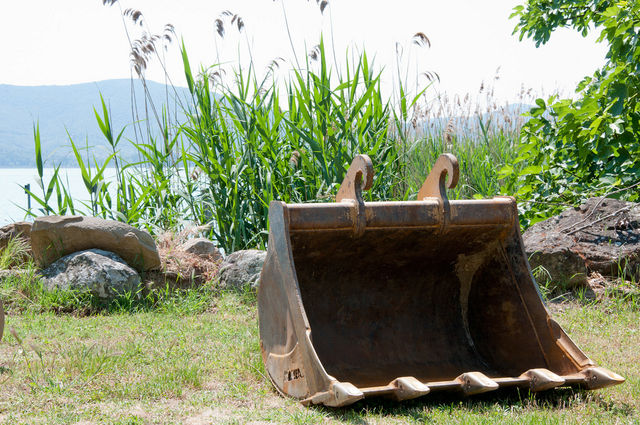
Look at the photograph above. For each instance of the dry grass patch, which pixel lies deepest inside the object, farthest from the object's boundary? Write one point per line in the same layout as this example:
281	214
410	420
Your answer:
179	268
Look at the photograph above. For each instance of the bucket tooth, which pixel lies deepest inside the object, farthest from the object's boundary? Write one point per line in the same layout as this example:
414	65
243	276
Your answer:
408	387
599	377
542	379
339	394
476	383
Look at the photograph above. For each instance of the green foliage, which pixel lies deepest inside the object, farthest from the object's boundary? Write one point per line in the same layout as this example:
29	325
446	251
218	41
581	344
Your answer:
245	145
590	146
249	140
64	201
250	151
15	253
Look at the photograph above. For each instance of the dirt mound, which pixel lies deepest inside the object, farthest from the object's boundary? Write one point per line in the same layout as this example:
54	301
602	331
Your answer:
180	268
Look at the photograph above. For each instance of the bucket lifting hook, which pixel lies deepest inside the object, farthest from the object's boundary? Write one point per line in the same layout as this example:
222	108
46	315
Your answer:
359	177
444	175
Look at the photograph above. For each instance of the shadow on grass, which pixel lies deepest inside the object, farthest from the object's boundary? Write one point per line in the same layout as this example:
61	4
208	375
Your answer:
426	408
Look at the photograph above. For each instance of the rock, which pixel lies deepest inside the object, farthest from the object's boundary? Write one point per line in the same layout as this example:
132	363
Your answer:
55	236
596	286
14	273
600	236
103	273
20	229
202	247
242	268
554	252
601	288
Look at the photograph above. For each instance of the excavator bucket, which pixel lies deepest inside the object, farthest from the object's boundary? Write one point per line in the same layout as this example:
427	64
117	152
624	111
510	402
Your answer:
399	299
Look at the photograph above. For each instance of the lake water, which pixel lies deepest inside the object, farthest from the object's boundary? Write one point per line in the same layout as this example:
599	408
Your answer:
13	199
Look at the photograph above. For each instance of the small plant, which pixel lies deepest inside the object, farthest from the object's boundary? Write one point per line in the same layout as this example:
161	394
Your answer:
38	366
543	279
63	199
15	254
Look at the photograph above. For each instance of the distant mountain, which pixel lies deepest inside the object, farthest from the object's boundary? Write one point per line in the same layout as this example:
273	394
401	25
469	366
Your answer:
59	109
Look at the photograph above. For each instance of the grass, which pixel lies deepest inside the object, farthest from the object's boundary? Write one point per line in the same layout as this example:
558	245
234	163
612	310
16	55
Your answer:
26	293
14	253
203	365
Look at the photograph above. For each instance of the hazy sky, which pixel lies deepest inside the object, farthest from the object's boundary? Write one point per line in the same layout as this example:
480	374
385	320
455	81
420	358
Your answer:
71	41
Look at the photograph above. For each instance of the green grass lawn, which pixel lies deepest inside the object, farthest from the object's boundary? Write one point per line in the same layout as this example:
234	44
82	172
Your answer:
169	366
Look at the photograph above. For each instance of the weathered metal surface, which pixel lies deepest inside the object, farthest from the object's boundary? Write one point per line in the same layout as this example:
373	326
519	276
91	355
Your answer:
400	299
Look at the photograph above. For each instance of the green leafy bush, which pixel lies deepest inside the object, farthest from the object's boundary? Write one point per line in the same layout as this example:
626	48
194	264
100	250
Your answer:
572	149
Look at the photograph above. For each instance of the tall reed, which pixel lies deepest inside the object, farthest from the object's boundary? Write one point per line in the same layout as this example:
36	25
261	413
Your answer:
249	139
249	150
480	130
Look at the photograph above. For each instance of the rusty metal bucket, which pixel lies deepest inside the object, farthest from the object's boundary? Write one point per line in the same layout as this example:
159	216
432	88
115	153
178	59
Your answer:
401	299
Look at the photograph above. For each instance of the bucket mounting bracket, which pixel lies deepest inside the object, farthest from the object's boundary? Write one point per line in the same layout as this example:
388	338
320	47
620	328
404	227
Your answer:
359	177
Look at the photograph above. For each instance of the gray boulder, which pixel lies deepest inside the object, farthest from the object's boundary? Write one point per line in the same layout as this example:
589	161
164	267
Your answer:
202	247
601	235
55	236
13	274
242	268
101	272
